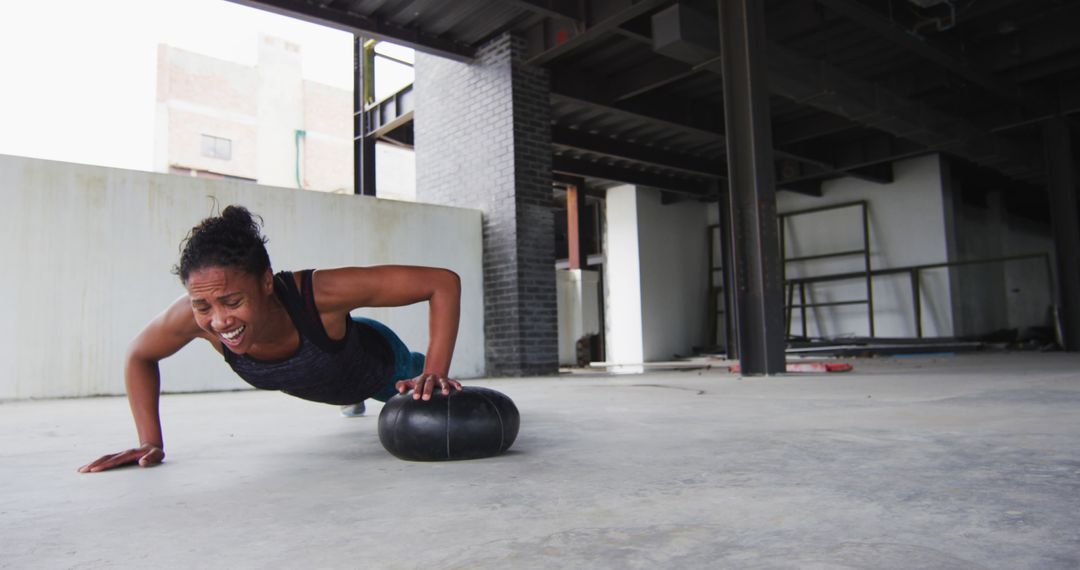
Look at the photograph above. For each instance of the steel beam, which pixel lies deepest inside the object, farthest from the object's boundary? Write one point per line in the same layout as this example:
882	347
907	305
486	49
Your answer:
562	9
390	120
955	62
1061	169
582	95
695	188
614	148
818	84
648	76
756	259
810	128
363	142
1053	34
816	167
607	17
575	211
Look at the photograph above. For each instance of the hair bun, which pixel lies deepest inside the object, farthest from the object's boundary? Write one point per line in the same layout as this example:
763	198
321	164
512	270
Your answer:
232	239
237	214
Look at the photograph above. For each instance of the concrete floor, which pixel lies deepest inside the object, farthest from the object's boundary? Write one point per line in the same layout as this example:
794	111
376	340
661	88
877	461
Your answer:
970	461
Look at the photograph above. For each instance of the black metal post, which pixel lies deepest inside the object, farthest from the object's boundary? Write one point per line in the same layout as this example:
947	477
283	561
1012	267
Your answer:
759	314
866	262
727	245
363	145
1061	172
916	301
789	307
802	311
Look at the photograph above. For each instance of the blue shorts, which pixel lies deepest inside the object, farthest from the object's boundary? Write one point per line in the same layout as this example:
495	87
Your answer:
407	364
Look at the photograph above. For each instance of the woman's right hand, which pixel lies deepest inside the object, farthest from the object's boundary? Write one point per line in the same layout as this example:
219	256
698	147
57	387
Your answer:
146	455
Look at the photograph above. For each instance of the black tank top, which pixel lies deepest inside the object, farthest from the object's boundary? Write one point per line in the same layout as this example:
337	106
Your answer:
339	372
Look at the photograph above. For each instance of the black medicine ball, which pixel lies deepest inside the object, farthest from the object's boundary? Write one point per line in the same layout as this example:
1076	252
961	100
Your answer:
468	424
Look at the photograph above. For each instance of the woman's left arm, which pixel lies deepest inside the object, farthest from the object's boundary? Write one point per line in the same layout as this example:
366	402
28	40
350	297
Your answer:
348	288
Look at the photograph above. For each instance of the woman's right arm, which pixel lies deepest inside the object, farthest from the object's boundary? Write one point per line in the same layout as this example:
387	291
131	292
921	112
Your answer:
167	333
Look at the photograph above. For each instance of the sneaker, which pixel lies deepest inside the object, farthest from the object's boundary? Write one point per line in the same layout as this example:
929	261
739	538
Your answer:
353	410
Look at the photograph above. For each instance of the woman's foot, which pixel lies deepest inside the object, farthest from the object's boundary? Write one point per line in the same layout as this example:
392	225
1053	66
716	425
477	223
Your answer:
353	410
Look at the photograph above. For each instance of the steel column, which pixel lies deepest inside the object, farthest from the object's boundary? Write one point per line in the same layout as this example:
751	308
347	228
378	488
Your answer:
1061	171
363	145
760	304
575	210
731	303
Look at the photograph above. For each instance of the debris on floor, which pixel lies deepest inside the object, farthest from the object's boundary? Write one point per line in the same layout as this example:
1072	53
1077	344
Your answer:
806	367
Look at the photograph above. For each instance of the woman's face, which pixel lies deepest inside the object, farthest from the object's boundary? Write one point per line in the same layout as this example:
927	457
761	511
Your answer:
231	304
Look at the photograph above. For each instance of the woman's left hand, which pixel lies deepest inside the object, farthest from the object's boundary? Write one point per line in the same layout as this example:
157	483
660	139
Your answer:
425	384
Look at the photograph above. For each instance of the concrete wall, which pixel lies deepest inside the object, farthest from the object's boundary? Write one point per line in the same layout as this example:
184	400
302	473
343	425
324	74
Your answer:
90	250
907	227
656	276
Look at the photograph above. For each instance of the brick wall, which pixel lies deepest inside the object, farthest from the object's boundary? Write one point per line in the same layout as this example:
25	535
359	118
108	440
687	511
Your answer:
483	140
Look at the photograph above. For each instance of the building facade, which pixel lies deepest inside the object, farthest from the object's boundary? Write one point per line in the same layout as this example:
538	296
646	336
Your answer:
263	123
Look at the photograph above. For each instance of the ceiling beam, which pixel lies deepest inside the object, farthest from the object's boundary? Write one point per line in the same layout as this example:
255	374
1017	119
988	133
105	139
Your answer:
799	130
926	48
648	76
1052	35
605	18
681	115
697	188
818	84
805	187
562	9
615	148
584	95
370	27
869	158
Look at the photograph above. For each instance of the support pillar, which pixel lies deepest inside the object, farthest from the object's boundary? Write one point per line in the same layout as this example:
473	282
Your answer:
753	222
483	140
575	209
363	94
1061	175
727	279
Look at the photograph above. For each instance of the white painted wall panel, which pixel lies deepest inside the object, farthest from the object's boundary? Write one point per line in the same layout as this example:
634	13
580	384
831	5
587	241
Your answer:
674	275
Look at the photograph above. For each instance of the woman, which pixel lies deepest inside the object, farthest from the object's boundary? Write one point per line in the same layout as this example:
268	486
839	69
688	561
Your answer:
290	331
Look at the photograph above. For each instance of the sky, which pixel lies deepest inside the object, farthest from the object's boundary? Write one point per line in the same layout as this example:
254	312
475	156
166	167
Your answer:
78	76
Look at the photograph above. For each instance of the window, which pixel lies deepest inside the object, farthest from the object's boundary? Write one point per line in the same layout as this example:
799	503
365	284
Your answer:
216	147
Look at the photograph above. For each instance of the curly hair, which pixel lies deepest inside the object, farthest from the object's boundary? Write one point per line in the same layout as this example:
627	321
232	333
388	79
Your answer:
232	239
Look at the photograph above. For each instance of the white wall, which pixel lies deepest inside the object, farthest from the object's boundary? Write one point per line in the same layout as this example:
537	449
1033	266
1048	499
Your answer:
674	275
395	172
907	227
656	276
90	251
577	300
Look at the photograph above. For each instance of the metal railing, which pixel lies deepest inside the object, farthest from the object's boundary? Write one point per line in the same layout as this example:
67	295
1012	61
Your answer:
914	273
864	252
